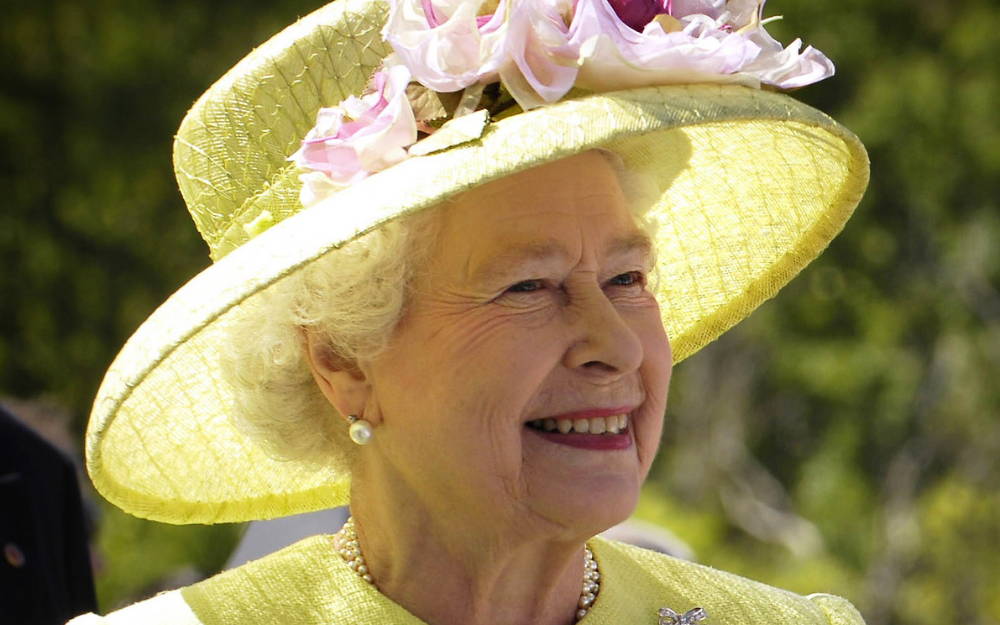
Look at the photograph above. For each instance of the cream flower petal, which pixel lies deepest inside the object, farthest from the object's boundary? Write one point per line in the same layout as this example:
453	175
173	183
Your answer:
616	57
542	63
445	43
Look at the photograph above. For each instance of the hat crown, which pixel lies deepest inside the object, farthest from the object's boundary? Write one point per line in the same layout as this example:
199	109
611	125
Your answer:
230	153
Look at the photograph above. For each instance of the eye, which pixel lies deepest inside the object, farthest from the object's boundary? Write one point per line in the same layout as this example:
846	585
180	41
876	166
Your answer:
526	286
630	278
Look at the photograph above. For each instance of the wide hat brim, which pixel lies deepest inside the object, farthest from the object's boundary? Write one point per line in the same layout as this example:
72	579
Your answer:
753	186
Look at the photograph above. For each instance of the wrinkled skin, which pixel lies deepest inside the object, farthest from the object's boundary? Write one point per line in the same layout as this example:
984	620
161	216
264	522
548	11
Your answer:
533	304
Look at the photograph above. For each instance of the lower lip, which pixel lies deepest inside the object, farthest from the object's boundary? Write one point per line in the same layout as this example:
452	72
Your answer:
597	442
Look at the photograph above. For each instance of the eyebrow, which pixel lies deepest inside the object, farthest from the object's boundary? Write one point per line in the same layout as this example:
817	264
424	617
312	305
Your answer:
540	251
635	241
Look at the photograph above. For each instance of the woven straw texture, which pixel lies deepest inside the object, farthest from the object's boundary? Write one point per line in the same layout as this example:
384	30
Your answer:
754	186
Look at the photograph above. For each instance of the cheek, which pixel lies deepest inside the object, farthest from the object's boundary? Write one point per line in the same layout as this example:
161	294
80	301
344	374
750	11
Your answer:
482	366
656	370
499	342
657	356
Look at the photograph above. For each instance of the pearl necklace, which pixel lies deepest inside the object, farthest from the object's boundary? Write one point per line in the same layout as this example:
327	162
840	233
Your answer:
346	543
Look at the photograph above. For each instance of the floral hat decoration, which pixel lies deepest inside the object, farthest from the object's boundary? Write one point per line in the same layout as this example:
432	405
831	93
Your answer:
428	98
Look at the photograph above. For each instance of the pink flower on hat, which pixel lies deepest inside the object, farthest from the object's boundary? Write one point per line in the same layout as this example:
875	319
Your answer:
358	137
674	50
542	61
637	13
539	50
446	44
691	41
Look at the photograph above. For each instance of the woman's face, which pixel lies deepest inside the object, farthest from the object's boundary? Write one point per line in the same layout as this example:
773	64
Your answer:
533	307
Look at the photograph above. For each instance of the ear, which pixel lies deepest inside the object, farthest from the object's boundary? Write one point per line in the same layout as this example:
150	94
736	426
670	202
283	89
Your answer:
342	382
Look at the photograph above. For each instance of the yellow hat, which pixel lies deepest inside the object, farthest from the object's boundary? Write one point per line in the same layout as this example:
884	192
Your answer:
753	186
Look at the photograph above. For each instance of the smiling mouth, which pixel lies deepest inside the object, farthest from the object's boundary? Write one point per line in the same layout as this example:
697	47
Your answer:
613	424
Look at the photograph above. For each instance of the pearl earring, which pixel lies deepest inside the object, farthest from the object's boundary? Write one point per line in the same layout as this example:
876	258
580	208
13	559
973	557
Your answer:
361	431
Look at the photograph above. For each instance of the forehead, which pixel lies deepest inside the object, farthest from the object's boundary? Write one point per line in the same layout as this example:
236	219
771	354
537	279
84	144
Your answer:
584	182
556	205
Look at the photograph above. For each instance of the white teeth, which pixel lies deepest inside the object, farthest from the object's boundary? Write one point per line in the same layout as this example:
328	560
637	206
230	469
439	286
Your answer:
597	425
614	424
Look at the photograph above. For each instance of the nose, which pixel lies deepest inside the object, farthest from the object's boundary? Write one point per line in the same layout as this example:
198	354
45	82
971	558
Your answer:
604	343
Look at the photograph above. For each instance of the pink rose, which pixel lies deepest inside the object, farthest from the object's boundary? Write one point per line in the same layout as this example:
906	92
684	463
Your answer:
446	44
637	13
358	137
692	41
692	48
542	62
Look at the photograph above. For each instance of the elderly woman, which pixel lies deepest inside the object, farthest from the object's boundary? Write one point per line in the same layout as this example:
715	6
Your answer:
466	327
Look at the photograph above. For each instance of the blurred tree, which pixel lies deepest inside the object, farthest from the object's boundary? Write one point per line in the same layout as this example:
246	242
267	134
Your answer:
844	438
93	232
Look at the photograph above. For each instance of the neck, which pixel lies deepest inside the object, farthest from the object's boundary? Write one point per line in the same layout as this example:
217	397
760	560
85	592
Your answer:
448	571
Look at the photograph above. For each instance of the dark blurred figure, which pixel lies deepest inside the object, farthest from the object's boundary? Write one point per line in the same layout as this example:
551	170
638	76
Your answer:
45	568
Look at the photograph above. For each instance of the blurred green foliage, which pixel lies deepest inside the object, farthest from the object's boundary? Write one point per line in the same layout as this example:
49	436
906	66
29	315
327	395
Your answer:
844	438
142	558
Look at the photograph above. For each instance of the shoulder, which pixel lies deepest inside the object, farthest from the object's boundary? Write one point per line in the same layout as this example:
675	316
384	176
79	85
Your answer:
304	584
254	585
636	583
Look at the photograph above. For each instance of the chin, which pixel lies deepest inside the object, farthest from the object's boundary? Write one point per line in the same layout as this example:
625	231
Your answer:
588	509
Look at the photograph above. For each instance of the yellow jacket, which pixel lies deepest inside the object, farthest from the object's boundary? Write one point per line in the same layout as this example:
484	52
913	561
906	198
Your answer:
309	584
